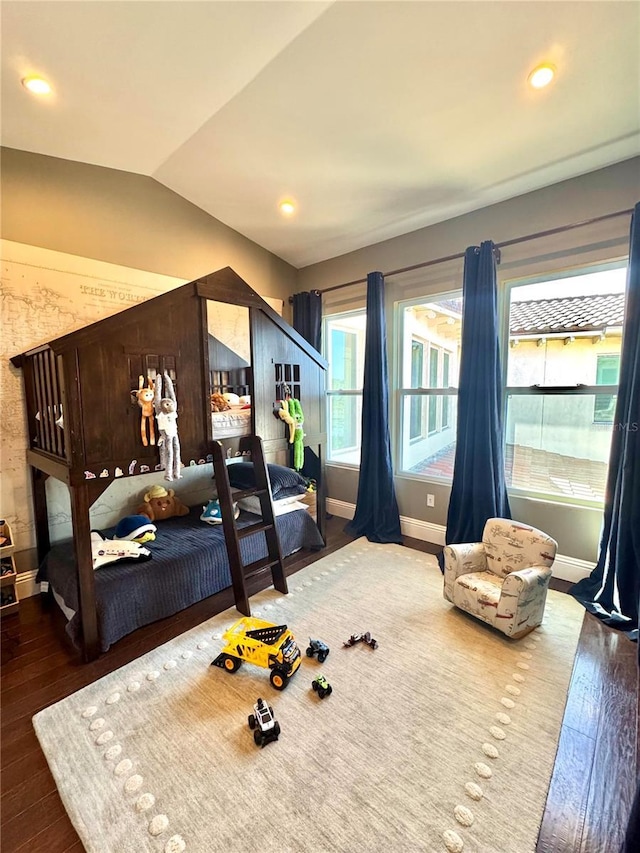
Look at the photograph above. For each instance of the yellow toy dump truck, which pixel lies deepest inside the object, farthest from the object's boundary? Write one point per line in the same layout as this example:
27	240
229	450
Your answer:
263	644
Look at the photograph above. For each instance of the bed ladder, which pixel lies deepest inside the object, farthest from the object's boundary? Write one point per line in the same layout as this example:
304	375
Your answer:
241	572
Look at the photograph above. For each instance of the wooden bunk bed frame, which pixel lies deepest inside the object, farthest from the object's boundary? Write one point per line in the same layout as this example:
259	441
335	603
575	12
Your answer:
87	378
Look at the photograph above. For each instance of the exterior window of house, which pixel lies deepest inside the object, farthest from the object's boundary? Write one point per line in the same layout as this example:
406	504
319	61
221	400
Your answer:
430	331
345	339
433	383
417	366
607	373
446	358
562	379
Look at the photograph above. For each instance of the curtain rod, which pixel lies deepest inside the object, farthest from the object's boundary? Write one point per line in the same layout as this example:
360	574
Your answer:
512	242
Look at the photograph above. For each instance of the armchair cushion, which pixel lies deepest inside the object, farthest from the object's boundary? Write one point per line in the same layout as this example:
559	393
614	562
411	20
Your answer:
502	580
461	560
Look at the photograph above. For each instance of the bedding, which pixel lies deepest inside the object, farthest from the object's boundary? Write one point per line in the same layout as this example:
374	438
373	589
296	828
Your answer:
189	562
285	482
252	504
232	422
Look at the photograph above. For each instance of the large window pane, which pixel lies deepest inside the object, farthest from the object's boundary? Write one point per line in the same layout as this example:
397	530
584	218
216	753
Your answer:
345	421
345	337
430	360
554	448
565	339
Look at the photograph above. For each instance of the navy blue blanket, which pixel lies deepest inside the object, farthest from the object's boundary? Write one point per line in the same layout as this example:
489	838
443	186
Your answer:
189	563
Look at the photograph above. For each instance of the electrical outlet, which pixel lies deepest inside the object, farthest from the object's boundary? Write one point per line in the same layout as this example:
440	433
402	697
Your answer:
431	500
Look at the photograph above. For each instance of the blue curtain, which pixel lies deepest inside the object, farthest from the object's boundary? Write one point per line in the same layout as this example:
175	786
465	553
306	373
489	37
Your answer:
478	491
611	591
307	317
376	515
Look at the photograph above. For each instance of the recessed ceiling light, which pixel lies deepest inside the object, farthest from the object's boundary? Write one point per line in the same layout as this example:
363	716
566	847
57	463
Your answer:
542	76
287	208
37	85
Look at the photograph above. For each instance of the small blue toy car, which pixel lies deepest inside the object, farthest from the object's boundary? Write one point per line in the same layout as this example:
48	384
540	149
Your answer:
319	648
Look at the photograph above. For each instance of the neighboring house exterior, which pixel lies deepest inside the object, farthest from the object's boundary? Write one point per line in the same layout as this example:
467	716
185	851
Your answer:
555	442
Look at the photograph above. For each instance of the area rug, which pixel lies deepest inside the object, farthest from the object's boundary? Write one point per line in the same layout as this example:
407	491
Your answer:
442	738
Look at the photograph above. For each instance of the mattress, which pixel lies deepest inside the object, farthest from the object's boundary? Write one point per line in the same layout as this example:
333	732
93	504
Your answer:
235	421
189	563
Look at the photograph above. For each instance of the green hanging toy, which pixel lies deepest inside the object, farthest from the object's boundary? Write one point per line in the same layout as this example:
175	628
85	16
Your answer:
295	410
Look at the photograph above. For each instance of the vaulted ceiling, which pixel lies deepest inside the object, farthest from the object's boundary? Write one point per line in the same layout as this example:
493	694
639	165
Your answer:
377	118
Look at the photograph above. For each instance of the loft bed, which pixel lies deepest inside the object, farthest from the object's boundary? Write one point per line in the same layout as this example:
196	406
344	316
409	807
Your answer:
84	423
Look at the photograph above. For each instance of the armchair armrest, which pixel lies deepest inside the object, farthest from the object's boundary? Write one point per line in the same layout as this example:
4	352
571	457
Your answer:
462	560
521	604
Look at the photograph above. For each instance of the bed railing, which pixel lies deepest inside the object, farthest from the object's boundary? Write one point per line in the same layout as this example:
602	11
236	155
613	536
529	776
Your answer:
45	396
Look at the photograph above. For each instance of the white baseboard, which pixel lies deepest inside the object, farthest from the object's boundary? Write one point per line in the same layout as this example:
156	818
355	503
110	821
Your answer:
570	569
26	585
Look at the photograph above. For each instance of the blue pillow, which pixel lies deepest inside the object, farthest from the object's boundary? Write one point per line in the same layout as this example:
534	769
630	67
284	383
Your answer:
285	482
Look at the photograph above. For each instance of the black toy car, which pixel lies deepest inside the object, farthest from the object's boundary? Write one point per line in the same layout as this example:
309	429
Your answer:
319	648
321	686
264	725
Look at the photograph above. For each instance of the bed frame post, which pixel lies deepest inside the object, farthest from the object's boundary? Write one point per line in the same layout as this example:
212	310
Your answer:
39	494
80	505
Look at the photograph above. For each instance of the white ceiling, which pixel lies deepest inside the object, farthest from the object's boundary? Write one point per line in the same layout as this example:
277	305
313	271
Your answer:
377	117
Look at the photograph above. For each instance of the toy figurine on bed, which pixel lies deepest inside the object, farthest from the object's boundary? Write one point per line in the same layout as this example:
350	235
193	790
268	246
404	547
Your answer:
135	528
166	409
159	503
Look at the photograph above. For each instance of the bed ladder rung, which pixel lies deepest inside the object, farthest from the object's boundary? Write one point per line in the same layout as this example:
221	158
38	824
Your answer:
259	566
248	493
240	571
250	529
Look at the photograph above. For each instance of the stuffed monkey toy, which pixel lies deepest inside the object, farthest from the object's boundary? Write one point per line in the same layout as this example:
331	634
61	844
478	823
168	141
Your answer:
167	417
295	411
145	399
281	410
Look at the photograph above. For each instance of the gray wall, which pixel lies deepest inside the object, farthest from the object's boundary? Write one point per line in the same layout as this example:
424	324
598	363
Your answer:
127	219
608	190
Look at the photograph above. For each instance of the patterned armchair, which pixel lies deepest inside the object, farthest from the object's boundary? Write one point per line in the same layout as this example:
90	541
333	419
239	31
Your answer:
502	580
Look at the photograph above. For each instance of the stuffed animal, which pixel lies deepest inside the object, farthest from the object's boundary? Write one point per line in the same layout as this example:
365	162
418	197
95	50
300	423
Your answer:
135	528
295	411
218	403
281	410
167	418
160	503
144	397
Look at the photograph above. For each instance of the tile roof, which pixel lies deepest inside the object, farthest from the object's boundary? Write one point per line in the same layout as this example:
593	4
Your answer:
535	470
571	314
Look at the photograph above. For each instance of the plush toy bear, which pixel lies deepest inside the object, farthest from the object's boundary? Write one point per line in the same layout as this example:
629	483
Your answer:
160	503
218	403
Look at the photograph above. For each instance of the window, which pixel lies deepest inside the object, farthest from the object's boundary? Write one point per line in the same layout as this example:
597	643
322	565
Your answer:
345	339
607	373
417	366
430	332
565	337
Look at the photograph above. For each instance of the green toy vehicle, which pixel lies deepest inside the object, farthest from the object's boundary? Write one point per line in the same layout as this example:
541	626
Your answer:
321	686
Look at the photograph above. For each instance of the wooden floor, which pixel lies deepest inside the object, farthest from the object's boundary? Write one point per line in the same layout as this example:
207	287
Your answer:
593	781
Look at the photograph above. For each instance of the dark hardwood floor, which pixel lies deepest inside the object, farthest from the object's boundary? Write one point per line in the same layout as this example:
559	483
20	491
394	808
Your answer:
591	790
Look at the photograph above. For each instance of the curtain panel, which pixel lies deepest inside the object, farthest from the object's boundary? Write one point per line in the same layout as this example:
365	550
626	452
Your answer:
478	490
376	516
307	317
612	590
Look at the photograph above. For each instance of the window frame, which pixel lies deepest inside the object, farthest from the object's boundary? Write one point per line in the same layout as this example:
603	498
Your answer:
343	392
506	288
437	395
